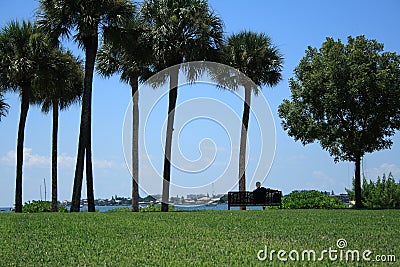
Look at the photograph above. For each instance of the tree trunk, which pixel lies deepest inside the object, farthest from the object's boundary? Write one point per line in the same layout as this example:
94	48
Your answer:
173	94
135	143
54	201
89	169
89	72
357	183
85	132
77	188
243	139
20	146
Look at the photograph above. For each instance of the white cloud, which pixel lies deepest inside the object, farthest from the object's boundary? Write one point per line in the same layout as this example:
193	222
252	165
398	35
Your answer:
105	164
32	160
9	159
383	168
65	161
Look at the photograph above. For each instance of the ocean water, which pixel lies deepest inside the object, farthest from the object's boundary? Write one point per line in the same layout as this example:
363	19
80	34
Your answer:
181	208
5	209
177	208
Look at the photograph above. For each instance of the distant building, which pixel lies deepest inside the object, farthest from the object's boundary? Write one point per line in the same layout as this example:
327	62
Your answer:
195	196
345	198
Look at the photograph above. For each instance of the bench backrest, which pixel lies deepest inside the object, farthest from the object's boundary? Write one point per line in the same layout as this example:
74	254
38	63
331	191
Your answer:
245	198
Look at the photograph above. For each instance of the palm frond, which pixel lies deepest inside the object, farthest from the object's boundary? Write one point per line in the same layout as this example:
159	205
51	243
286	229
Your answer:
182	31
60	80
3	107
254	55
60	18
126	50
22	49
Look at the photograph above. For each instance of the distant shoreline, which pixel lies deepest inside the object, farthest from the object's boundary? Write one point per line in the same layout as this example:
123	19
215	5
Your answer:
222	206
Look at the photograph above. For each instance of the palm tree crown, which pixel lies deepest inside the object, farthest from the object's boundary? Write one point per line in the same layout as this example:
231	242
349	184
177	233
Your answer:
126	50
64	81
83	17
254	55
183	30
22	47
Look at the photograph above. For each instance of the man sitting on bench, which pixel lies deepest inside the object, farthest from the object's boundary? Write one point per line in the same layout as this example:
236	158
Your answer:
259	194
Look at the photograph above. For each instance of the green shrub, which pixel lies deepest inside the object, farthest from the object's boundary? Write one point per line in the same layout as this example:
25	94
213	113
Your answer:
40	206
310	200
382	194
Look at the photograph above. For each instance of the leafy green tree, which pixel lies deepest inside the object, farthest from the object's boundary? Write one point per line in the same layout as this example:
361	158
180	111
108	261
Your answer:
22	50
346	96
311	200
182	31
3	107
127	50
382	194
254	55
86	18
62	87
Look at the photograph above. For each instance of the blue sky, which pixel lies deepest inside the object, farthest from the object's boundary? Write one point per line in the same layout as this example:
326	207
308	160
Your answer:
292	25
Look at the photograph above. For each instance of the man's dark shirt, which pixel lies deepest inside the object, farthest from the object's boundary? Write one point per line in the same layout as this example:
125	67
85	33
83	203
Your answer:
260	194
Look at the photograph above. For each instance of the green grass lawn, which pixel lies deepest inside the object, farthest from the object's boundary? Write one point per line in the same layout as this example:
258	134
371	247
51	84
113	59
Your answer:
206	238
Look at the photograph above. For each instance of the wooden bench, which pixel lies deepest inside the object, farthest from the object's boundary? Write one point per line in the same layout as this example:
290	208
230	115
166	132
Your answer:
272	198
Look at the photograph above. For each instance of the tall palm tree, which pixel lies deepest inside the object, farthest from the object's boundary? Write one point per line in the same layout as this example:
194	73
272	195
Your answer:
22	50
63	87
87	18
3	107
182	31
127	51
254	55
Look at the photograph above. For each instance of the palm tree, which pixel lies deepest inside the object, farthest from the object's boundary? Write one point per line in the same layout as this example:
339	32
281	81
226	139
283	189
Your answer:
127	51
182	31
3	107
63	87
86	18
22	49
255	56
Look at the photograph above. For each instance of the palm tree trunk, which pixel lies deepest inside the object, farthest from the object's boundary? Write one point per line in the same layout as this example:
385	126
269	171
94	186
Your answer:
77	187
135	143
89	170
243	139
85	132
357	182
20	147
89	176
89	71
54	201
173	94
